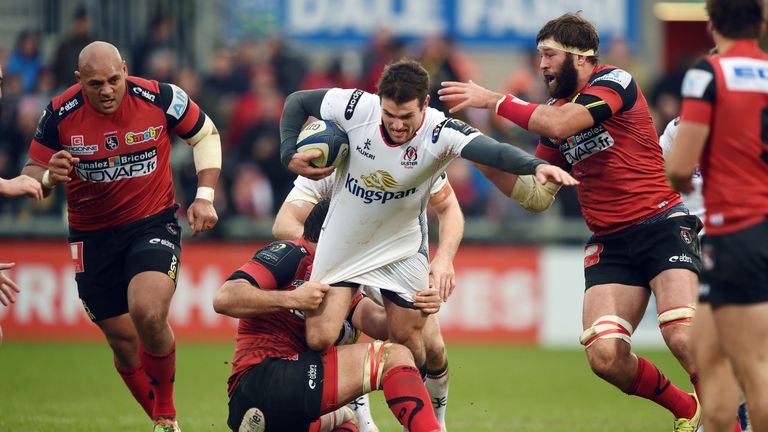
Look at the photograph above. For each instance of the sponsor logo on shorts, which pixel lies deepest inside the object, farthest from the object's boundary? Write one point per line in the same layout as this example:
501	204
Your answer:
410	157
163	242
78	147
119	167
685	234
586	143
592	254
349	111
88	311
708	257
683	258
364	149
376	187
312	375
110	141
171	228
151	134
173	269
77	256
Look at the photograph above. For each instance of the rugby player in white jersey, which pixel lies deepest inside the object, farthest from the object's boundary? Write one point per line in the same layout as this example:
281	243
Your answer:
289	225
375	233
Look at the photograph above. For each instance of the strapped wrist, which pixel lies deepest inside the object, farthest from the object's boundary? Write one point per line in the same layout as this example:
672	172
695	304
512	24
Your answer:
515	110
46	180
205	192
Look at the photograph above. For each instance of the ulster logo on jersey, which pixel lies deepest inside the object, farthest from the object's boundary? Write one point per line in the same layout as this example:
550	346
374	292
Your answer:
377	187
410	157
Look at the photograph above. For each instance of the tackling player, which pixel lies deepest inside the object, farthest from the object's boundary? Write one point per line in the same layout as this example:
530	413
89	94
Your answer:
276	373
108	139
289	225
723	127
597	124
376	232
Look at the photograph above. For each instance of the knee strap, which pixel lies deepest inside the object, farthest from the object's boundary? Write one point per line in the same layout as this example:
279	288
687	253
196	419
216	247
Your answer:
680	315
373	366
607	327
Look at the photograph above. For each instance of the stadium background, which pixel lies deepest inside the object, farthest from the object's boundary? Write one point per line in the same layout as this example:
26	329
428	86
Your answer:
512	324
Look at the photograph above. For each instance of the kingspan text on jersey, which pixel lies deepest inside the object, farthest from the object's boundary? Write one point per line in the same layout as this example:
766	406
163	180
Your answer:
369	195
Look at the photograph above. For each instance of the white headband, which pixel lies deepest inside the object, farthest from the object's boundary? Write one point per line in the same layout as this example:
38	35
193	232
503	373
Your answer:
551	43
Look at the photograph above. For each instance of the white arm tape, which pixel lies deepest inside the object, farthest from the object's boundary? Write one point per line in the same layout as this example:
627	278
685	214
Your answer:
532	195
46	181
205	192
206	147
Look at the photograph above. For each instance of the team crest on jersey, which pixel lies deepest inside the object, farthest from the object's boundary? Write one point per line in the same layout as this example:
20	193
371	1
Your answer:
380	179
410	157
685	234
78	147
110	141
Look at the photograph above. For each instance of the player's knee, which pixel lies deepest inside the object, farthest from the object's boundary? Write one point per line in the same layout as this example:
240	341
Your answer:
675	326
434	348
149	319
398	355
405	335
125	347
606	357
319	340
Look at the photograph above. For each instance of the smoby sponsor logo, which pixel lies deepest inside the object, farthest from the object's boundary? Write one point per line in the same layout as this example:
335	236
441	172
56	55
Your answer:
67	107
410	157
376	187
151	134
79	148
119	167
586	143
364	149
146	94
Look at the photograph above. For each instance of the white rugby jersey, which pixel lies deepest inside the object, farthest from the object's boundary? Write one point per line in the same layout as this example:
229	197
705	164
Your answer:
377	213
313	191
694	200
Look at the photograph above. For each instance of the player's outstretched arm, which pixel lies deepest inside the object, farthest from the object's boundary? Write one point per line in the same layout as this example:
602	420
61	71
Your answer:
206	152
21	185
298	107
555	122
8	288
238	298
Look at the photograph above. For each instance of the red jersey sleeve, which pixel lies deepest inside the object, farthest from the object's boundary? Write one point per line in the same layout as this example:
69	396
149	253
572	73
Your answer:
184	116
273	267
699	91
46	140
609	92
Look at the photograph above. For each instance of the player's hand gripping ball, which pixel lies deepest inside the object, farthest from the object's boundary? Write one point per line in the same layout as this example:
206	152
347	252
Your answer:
327	137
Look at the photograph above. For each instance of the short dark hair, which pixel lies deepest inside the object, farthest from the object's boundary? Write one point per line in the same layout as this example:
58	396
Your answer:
314	222
572	30
736	19
404	81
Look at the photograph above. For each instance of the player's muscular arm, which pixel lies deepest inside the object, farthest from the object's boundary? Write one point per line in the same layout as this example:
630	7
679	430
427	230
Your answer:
686	151
58	170
298	107
289	222
238	298
559	122
206	150
451	220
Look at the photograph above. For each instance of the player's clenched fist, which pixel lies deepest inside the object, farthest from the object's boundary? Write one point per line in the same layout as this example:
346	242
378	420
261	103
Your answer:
59	166
309	295
202	216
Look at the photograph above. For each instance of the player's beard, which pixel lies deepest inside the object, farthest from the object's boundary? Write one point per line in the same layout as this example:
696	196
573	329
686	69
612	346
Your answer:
565	81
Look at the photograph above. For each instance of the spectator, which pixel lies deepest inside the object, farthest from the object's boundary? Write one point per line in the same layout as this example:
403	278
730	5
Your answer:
25	60
65	59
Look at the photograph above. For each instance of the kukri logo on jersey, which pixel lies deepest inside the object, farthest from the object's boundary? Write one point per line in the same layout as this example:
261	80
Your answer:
376	187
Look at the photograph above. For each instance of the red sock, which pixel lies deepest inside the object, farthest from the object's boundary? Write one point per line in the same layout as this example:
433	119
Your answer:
138	383
695	382
161	369
651	384
346	427
408	399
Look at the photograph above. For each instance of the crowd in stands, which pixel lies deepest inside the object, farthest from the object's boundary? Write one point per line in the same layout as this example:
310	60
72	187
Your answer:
243	89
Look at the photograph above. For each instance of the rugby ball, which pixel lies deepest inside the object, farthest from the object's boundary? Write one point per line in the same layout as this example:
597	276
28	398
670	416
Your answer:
329	138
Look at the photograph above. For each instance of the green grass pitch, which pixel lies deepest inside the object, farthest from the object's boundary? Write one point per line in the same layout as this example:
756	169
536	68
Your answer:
68	387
